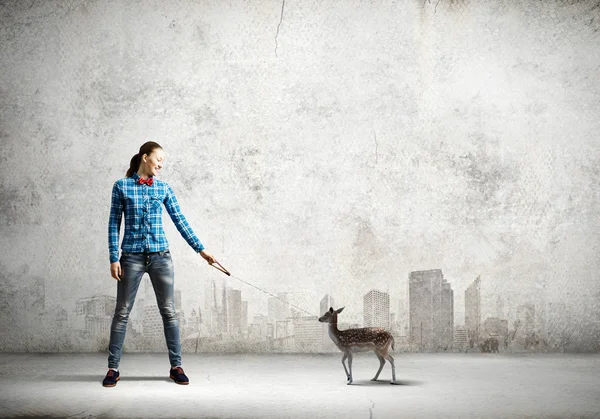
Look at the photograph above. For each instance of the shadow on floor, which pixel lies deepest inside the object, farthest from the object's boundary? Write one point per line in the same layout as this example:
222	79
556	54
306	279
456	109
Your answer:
386	382
100	377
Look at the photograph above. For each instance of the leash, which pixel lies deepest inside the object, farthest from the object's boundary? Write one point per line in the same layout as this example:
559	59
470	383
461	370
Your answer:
226	272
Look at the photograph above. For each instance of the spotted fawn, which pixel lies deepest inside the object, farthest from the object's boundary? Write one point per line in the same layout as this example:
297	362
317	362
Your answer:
360	340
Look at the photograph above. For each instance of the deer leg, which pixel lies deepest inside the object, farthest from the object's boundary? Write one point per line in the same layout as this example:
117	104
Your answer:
349	368
344	364
391	360
381	363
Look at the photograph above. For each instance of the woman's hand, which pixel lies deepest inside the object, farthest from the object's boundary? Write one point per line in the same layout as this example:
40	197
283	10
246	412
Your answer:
208	257
115	270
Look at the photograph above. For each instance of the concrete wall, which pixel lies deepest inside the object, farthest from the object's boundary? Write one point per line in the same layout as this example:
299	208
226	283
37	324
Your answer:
315	147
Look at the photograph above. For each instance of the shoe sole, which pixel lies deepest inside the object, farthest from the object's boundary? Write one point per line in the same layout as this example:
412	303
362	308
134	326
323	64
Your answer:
179	382
111	385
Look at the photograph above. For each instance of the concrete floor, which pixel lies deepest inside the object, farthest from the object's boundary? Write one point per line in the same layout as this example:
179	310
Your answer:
303	386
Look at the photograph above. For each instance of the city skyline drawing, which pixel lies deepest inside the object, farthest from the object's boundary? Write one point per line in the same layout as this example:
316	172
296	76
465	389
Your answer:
424	322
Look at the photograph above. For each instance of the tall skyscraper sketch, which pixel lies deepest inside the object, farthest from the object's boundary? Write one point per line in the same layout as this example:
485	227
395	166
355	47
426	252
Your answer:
461	338
209	315
401	317
447	316
327	344
234	303
376	309
244	320
278	308
525	336
177	296
224	314
179	310
499	307
431	310
193	323
473	312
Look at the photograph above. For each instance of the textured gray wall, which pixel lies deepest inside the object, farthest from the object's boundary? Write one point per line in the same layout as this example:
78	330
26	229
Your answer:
315	147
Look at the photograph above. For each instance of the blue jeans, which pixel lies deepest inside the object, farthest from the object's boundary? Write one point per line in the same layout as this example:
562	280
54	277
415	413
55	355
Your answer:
160	269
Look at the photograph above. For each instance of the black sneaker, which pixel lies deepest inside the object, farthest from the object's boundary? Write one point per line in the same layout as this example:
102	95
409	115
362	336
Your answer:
111	378
178	375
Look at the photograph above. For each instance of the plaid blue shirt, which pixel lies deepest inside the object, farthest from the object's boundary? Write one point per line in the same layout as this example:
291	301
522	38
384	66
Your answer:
142	205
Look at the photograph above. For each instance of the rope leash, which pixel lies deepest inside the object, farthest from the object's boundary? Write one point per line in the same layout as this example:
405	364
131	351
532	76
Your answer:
226	272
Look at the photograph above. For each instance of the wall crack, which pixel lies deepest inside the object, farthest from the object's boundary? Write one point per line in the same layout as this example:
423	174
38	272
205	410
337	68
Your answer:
371	409
376	147
279	25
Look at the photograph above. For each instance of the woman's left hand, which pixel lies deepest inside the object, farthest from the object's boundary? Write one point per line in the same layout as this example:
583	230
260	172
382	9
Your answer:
208	257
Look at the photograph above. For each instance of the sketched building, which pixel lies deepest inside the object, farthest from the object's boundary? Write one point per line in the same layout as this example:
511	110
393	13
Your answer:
307	334
496	328
558	326
461	338
327	344
431	313
179	310
473	312
400	322
326	302
524	333
394	324
447	315
152	322
210	316
234	310
137	314
278	308
376	309
193	323
283	328
94	315
348	325
499	307
244	321
258	329
224	313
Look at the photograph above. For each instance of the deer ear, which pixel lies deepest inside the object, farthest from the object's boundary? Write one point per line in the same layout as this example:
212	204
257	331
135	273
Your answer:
331	309
339	310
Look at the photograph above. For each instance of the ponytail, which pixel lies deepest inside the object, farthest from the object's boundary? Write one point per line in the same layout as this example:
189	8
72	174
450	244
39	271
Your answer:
134	165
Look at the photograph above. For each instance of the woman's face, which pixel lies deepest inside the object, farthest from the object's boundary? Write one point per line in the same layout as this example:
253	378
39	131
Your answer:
153	162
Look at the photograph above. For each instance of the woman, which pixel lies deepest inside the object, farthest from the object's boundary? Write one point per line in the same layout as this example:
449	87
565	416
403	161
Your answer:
145	248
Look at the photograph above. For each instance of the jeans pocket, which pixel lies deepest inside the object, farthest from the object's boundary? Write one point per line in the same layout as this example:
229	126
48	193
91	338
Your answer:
165	253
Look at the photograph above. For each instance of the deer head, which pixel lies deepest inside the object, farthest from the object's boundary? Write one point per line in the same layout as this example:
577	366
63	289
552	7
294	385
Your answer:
330	316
